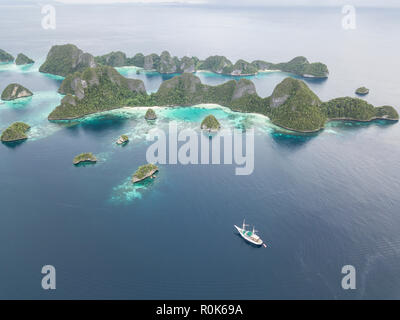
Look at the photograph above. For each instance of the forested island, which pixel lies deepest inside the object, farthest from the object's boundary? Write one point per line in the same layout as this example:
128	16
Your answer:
210	123
23	59
292	104
362	91
165	63
65	59
150	114
144	172
15	132
84	157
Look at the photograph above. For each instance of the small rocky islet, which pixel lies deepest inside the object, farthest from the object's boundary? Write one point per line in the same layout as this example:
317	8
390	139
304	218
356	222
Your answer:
123	139
150	114
6	57
23	59
362	91
87	157
15	132
15	91
210	123
144	172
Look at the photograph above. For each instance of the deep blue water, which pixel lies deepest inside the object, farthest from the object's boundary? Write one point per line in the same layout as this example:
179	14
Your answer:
320	201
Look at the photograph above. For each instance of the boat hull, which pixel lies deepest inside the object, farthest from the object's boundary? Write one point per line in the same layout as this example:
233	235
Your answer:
243	235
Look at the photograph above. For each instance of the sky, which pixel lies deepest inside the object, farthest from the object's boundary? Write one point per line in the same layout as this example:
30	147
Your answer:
374	3
247	3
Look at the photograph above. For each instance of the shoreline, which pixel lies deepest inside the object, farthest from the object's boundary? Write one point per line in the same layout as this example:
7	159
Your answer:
357	120
148	175
210	105
306	76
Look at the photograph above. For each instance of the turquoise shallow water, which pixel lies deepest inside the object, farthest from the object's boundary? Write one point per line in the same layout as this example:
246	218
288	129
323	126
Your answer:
319	201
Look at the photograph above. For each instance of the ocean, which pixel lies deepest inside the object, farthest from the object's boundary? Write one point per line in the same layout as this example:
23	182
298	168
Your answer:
319	201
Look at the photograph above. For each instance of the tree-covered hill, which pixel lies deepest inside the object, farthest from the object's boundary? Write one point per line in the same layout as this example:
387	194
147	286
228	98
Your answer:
292	104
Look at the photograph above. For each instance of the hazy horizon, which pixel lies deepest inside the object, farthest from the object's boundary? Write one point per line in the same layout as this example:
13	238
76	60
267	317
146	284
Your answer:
217	3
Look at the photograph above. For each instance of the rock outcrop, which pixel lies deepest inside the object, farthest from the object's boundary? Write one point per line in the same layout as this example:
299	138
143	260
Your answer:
63	60
210	123
15	91
84	157
96	89
144	172
5	57
150	114
23	59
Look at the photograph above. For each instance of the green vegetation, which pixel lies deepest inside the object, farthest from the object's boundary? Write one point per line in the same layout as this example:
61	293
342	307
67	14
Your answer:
143	172
95	90
23	59
316	70
362	91
14	91
63	60
262	65
84	157
296	107
210	123
150	114
151	62
5	56
113	59
17	131
215	64
356	109
302	67
386	112
187	64
137	60
165	63
123	139
241	67
187	89
292	104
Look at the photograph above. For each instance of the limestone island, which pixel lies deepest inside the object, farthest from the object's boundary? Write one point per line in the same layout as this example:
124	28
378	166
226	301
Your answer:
15	91
292	105
85	157
15	132
63	60
66	59
362	91
143	172
108	90
167	64
123	139
150	114
23	59
5	57
210	123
